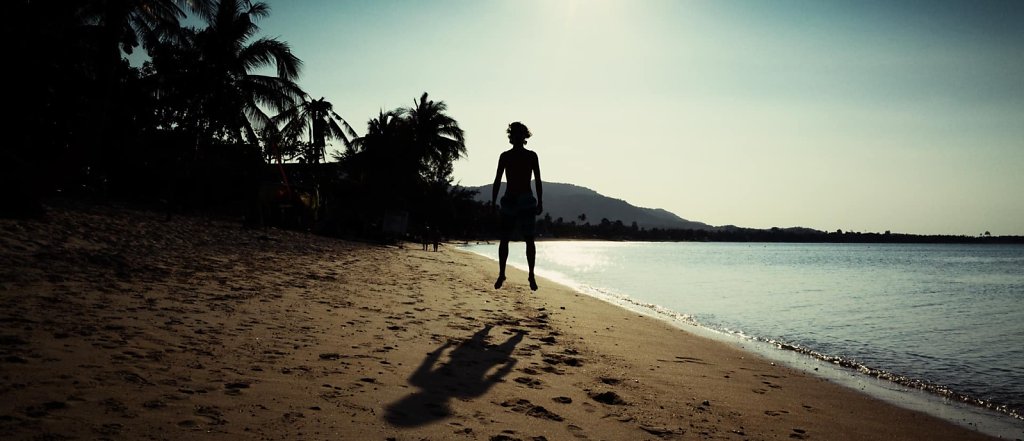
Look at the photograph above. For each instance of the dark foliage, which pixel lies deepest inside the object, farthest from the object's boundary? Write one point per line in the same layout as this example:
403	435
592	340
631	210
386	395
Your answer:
189	131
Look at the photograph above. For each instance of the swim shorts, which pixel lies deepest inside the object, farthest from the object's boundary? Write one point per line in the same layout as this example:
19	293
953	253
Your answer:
518	212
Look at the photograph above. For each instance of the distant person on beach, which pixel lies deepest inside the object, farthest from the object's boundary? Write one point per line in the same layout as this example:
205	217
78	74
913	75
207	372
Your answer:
518	206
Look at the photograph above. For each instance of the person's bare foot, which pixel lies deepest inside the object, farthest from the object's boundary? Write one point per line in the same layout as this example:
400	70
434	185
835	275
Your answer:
533	284
497	283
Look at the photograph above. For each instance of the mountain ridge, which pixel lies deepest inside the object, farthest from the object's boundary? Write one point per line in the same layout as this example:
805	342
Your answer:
569	201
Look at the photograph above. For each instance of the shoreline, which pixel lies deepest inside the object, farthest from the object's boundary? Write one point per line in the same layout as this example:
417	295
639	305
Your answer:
959	409
117	324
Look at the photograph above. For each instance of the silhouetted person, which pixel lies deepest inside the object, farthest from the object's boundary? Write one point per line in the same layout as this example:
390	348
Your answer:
518	206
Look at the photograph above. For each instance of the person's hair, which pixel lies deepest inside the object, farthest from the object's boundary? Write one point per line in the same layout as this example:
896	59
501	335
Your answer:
518	130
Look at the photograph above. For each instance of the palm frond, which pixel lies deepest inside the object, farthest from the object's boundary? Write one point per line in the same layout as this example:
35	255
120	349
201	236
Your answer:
273	92
265	51
348	129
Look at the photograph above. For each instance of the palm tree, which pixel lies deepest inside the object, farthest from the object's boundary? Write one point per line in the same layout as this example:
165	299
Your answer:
384	172
316	117
382	146
120	26
232	95
436	137
127	24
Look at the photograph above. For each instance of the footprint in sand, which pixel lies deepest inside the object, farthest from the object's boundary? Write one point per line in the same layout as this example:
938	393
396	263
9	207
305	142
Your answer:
235	388
661	432
211	413
524	406
503	437
109	429
555	359
608	397
552	370
680	359
576	431
532	383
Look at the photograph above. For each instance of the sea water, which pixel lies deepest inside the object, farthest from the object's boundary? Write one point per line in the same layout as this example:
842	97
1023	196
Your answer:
945	321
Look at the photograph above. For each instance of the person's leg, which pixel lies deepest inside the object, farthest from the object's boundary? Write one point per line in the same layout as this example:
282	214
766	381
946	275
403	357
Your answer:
506	225
531	258
502	258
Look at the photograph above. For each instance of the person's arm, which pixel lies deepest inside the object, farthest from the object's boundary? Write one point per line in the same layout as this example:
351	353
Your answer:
497	179
540	188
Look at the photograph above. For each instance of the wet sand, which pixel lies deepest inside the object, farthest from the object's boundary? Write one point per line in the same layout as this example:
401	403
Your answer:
117	324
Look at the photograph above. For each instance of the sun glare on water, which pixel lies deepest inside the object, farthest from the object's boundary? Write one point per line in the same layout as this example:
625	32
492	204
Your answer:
578	256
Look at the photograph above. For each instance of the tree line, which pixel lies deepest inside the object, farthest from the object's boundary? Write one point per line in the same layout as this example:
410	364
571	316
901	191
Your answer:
201	125
605	229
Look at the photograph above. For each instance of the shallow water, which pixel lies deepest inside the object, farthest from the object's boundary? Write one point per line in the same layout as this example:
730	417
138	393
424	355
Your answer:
947	319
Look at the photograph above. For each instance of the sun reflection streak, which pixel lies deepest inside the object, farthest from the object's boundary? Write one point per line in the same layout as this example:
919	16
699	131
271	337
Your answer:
579	256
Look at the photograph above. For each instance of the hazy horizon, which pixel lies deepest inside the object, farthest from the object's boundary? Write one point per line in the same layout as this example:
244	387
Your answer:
861	116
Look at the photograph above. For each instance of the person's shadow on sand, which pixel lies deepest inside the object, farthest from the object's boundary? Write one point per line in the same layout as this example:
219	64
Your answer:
465	375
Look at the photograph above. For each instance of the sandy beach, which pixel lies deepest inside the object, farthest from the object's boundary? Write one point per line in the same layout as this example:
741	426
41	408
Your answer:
118	324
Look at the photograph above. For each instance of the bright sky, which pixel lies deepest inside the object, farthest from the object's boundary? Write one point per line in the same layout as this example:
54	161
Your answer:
860	115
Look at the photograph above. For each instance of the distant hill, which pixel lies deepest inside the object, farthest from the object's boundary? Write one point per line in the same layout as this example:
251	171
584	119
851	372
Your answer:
568	201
